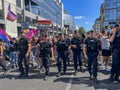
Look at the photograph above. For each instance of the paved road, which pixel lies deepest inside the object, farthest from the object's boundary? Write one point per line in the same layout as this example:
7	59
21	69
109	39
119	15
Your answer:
66	82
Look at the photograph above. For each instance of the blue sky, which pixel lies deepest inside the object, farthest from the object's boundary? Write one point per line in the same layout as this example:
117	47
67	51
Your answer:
84	11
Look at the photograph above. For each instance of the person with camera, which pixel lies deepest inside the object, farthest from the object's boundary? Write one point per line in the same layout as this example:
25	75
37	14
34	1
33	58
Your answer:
91	51
62	48
46	54
24	49
76	45
115	42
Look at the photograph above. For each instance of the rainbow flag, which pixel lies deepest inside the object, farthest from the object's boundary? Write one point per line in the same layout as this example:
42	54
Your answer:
11	16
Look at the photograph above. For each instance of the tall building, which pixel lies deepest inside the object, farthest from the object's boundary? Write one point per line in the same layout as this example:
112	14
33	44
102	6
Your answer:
112	12
69	22
29	13
96	26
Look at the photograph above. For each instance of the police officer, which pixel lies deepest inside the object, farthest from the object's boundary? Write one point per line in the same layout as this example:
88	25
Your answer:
76	44
46	54
91	51
115	40
24	51
62	47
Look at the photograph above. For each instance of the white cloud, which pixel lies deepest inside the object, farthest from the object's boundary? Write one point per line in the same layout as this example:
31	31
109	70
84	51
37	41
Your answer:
78	17
86	22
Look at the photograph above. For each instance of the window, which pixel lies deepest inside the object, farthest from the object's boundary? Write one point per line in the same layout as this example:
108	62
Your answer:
1	9
18	3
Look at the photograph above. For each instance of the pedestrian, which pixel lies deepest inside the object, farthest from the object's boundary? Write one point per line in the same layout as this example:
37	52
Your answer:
76	45
46	54
91	51
115	41
24	49
62	47
106	52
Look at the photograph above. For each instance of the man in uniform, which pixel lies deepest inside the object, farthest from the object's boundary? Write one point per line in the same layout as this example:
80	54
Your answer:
76	45
91	51
115	41
62	48
46	54
24	51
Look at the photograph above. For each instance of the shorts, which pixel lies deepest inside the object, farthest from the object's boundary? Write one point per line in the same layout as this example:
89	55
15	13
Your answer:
106	52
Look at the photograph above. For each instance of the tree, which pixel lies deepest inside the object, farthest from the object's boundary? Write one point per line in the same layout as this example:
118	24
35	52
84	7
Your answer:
81	30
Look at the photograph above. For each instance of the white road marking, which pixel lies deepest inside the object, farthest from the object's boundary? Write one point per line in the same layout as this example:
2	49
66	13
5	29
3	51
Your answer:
68	87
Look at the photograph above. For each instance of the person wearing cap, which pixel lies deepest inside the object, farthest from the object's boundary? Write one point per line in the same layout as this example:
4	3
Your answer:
76	45
115	41
91	51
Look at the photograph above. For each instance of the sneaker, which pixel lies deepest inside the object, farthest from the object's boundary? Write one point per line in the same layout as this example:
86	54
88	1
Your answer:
21	76
59	74
75	73
46	77
116	79
95	80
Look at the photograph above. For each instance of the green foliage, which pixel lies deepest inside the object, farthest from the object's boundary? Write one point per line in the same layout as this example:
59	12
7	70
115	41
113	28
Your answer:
81	30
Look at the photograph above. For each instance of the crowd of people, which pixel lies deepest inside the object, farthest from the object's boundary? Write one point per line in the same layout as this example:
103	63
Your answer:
79	49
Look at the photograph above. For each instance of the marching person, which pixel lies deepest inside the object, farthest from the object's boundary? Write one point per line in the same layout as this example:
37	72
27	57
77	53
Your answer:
24	49
62	47
91	51
46	54
115	41
76	45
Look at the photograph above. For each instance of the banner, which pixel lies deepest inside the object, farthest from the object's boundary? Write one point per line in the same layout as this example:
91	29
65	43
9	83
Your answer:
11	16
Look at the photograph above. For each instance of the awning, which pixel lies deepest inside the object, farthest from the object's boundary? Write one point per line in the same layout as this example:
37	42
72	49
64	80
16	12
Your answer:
45	22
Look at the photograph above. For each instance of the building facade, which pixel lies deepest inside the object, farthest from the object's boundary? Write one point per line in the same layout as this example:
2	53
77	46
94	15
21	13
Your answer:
112	12
29	12
69	22
96	26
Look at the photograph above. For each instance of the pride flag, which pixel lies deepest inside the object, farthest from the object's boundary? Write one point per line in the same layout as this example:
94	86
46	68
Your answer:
11	16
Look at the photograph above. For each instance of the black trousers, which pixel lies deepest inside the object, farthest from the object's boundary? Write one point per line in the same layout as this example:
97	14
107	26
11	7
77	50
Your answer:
46	64
93	64
62	57
115	71
22	58
3	64
77	59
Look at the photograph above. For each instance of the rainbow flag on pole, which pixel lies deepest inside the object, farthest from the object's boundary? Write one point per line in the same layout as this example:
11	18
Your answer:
11	16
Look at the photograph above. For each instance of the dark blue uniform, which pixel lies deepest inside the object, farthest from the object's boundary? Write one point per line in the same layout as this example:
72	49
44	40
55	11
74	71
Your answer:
45	52
115	71
92	45
77	52
62	48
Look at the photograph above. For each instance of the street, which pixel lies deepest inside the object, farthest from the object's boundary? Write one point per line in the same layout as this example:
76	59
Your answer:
65	82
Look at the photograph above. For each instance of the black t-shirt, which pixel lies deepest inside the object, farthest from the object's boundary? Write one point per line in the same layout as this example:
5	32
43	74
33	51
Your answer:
23	45
45	48
62	45
78	42
92	45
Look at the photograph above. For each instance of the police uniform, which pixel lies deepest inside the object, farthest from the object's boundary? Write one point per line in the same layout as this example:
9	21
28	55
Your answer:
92	46
62	47
45	53
115	71
23	47
77	52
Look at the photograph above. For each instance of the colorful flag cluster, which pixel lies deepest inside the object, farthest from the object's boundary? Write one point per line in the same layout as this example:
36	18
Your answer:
30	33
11	16
4	36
